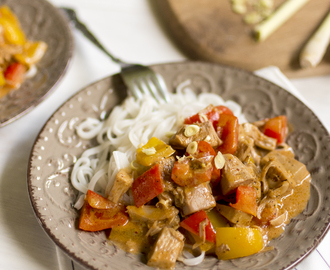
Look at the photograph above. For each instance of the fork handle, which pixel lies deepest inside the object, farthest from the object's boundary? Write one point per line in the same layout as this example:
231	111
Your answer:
88	34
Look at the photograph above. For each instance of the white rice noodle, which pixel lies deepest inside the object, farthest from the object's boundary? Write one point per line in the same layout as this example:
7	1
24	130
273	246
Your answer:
209	98
129	125
81	174
189	259
89	128
31	72
100	174
80	202
95	150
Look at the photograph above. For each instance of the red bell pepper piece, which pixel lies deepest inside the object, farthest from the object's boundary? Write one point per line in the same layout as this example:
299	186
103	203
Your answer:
246	200
14	74
205	149
228	129
93	220
98	213
212	113
224	110
276	128
147	186
99	202
191	224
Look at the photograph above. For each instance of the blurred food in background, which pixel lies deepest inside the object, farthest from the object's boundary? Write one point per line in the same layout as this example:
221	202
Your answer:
18	55
253	11
253	34
261	14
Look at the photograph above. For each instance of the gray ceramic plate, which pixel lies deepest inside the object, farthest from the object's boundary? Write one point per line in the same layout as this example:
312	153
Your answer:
57	147
40	21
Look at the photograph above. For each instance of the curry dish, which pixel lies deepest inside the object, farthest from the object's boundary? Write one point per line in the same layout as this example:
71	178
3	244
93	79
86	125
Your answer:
217	187
18	55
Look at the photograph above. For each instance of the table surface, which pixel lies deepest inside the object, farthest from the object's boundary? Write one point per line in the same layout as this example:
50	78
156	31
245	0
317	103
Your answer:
131	30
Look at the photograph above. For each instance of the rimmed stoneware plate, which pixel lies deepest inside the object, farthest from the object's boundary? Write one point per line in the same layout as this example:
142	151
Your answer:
40	21
57	147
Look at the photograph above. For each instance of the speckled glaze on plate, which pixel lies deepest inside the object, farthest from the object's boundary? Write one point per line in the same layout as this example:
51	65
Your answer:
40	21
57	147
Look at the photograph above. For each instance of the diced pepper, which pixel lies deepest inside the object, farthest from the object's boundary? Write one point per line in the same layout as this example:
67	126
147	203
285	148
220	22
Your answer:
228	129
276	128
206	246
6	12
209	112
147	186
2	79
32	53
192	172
205	149
151	213
212	114
216	219
191	224
92	219
224	110
154	150
12	31
246	200
236	242
14	74
99	202
3	91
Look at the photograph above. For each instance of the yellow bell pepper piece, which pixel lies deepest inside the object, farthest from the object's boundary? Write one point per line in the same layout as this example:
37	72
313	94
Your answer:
2	79
236	242
3	91
207	246
32	53
6	12
12	30
216	219
154	150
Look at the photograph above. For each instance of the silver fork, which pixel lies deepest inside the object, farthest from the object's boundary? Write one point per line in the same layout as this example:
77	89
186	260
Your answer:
139	79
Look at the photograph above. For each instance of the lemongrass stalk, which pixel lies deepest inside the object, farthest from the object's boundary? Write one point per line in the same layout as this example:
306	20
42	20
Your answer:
277	18
316	47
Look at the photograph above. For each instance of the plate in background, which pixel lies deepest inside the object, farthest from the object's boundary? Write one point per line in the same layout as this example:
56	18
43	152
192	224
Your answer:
57	147
40	21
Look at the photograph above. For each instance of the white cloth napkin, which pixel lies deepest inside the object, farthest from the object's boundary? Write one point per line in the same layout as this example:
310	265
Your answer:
274	75
320	258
